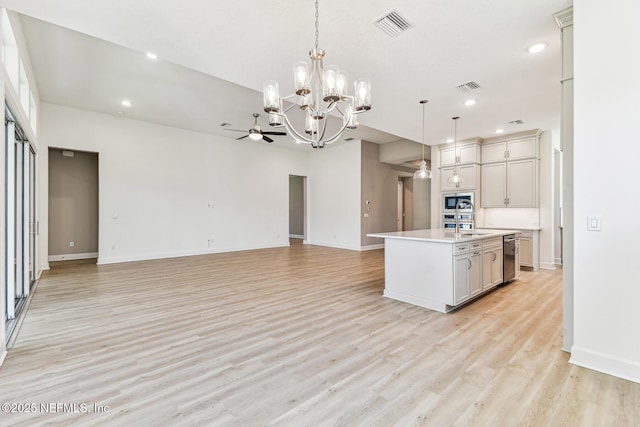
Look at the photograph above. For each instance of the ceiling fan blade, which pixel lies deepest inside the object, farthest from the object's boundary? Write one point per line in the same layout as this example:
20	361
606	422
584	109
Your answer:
242	137
274	133
235	130
266	138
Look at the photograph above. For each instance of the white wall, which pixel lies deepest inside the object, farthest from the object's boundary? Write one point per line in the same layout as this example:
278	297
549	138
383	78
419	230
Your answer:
156	183
333	186
546	202
606	151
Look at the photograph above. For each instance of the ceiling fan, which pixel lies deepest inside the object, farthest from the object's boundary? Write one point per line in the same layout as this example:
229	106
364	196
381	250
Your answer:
256	132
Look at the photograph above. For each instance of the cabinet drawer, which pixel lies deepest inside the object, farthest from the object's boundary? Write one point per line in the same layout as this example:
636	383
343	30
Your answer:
461	248
494	241
474	246
526	234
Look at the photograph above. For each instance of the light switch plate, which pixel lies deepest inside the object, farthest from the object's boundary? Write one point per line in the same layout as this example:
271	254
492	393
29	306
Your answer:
593	223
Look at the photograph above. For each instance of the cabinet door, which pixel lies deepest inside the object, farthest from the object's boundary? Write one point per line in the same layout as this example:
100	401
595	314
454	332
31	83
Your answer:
487	263
447	157
468	174
522	183
496	267
526	252
475	273
524	148
494	185
468	154
461	279
494	152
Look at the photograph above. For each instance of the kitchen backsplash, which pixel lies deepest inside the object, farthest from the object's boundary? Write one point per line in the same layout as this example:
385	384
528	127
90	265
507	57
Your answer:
508	217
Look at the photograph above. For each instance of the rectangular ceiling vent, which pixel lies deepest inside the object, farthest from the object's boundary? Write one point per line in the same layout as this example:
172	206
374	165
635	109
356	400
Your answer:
564	18
468	86
393	23
516	122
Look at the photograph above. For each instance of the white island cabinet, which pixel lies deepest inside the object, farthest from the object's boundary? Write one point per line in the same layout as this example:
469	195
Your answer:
437	270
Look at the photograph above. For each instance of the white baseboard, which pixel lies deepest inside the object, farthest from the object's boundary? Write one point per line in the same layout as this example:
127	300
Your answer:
164	255
296	236
3	356
626	369
372	247
548	265
66	257
45	266
332	245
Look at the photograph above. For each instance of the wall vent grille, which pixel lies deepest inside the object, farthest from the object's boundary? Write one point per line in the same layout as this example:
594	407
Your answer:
468	86
392	23
564	18
516	122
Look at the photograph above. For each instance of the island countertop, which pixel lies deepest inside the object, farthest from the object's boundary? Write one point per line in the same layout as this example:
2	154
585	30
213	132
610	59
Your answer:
441	235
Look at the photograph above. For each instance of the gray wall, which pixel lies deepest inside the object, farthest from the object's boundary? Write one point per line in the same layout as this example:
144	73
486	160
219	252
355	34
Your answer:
73	203
296	205
421	204
380	187
408	203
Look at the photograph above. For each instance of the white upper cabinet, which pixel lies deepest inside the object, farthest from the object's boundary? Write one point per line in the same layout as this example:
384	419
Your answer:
465	153
468	173
511	149
510	172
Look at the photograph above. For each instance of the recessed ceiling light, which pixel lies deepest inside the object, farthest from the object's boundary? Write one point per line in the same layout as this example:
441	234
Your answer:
469	102
449	139
126	103
120	113
152	55
538	47
499	130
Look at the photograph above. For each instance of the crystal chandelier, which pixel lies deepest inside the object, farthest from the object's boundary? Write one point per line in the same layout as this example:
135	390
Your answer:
456	178
318	93
423	172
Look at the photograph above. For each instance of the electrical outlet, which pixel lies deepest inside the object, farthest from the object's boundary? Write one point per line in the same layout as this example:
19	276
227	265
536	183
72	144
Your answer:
72	244
209	242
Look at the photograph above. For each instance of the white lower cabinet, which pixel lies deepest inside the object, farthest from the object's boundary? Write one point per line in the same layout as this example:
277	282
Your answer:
461	278
467	272
492	264
475	273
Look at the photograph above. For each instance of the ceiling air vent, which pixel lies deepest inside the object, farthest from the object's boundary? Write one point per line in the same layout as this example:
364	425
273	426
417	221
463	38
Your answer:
392	23
468	86
564	18
516	122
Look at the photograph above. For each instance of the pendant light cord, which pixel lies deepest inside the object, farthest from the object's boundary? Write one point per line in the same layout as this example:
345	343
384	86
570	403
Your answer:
424	103
317	25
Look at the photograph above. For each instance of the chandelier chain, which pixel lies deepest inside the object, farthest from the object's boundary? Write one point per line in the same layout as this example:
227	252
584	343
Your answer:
317	25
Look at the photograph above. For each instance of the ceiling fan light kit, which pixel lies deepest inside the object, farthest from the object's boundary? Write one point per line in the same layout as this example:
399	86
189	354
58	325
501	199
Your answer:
319	90
255	132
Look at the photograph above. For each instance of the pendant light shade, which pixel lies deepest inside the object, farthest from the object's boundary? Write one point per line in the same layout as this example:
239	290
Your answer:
423	172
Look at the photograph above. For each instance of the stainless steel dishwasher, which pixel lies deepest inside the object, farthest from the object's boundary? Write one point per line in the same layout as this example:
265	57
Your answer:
511	247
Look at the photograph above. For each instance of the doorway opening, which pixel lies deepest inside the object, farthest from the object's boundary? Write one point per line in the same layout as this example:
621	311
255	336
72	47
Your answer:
297	208
73	205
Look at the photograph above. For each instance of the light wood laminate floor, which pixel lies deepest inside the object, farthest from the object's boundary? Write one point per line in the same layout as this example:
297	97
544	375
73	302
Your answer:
297	336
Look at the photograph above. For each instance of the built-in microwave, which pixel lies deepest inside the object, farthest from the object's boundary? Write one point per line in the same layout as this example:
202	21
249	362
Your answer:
449	201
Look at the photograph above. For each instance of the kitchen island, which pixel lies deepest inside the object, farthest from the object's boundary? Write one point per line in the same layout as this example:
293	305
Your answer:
440	270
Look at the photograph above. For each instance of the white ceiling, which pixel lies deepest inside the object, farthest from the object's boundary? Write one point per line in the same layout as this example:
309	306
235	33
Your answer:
214	57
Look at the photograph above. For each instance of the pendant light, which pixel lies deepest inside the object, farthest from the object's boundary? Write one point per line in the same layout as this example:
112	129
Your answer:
423	172
455	178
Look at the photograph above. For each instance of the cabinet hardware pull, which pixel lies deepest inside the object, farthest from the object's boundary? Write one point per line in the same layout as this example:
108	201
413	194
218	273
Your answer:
469	264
